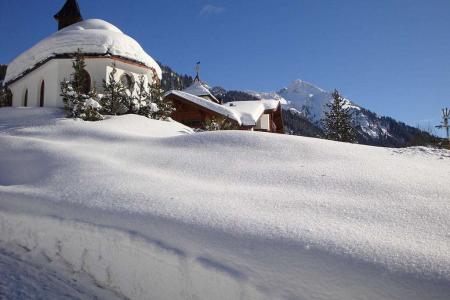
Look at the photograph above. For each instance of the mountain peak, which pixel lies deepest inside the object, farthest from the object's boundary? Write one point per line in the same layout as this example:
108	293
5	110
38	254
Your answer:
300	86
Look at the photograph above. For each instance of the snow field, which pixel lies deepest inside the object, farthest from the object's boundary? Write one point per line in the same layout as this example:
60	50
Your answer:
247	215
125	263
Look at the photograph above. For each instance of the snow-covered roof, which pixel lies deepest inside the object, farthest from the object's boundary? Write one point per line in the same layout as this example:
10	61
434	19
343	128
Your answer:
250	111
246	113
218	108
200	89
92	36
271	104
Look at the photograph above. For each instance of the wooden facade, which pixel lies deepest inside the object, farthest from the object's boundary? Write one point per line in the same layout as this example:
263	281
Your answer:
275	120
195	116
191	114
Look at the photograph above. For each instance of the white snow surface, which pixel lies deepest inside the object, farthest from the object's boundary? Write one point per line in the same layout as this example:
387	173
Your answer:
198	88
92	36
269	96
271	104
24	279
250	111
153	212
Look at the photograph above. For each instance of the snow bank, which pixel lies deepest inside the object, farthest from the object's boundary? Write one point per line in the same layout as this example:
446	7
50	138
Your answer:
23	278
91	36
225	215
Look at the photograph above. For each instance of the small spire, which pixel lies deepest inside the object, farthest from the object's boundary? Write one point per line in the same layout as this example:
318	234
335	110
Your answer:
197	70
69	14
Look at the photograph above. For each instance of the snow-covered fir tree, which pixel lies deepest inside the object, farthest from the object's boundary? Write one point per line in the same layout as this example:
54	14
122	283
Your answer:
337	123
148	100
80	101
215	124
142	100
116	99
163	108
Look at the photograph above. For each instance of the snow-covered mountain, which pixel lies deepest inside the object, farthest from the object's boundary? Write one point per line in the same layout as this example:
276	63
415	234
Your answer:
311	102
304	105
305	102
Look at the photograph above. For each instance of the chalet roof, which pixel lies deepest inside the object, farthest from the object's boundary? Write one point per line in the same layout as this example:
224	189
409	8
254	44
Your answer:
271	104
250	111
200	89
246	113
70	9
207	104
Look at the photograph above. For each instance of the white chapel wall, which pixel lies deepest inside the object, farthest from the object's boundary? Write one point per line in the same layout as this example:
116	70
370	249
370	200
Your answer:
32	82
57	70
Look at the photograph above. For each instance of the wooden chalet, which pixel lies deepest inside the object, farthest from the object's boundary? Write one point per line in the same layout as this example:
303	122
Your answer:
196	105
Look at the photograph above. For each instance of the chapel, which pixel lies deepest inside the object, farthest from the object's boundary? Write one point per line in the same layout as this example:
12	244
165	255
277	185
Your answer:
33	78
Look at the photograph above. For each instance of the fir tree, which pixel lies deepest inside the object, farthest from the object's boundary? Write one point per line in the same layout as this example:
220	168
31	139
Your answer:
115	99
214	124
3	96
338	121
79	101
163	109
142	100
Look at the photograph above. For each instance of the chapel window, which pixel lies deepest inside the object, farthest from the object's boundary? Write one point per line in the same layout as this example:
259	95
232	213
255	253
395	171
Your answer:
127	81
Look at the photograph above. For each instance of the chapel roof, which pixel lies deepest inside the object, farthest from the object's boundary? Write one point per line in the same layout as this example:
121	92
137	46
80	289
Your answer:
93	37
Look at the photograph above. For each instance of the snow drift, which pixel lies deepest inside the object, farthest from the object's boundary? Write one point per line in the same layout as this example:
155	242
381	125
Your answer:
149	210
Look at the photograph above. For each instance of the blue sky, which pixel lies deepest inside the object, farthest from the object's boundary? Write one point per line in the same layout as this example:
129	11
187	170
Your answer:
391	56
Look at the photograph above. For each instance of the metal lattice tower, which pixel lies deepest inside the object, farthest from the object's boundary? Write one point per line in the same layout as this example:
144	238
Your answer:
445	125
197	70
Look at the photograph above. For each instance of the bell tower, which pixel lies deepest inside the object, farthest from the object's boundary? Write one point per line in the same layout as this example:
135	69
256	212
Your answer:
69	14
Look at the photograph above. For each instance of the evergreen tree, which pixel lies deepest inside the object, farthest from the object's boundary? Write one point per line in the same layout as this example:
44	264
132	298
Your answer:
79	102
215	124
163	109
338	121
115	99
3	96
142	101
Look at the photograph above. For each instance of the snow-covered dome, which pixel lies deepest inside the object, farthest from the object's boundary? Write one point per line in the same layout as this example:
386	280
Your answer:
92	36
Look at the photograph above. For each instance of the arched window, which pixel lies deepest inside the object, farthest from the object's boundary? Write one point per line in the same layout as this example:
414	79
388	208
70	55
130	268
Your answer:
25	98
127	81
9	97
42	94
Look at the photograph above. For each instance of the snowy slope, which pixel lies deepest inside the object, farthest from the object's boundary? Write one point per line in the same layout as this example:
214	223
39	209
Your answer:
224	215
311	101
22	279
